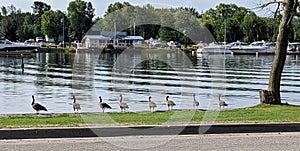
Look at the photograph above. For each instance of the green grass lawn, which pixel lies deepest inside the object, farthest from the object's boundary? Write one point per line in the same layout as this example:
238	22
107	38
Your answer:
260	113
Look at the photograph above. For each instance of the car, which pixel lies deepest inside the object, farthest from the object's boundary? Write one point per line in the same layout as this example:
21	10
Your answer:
61	44
29	42
74	43
39	39
42	44
52	44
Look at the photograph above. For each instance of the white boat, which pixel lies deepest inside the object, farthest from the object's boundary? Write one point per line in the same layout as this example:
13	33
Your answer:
173	44
215	48
295	46
7	47
253	48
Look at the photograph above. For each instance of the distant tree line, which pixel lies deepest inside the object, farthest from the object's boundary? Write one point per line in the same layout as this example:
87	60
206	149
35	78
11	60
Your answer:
227	22
17	25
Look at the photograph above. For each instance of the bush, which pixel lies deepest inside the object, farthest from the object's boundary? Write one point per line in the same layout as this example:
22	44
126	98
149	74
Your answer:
110	46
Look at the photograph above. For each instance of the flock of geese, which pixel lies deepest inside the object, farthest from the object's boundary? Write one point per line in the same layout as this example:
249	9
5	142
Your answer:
123	106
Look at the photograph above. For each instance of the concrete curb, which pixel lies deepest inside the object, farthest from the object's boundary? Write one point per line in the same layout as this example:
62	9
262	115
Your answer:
73	132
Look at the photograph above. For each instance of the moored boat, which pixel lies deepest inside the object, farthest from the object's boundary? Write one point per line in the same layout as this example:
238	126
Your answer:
253	48
8	47
215	48
295	46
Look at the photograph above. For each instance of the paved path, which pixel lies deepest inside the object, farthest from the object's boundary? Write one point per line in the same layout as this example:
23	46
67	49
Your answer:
253	141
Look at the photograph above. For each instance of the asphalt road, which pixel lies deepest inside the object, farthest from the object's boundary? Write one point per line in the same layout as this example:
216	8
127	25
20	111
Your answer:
253	141
117	131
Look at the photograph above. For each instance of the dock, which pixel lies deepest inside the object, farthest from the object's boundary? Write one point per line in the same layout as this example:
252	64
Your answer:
18	50
15	53
266	53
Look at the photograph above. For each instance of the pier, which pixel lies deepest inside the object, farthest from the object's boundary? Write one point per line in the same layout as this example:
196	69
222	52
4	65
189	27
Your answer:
266	53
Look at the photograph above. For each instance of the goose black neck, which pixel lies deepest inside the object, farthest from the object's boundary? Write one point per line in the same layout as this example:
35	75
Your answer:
33	100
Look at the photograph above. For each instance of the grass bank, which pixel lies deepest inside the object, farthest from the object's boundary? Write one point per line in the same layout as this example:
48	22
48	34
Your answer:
260	113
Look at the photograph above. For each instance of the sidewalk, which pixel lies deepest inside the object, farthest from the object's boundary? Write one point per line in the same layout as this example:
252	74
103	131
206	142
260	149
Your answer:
111	131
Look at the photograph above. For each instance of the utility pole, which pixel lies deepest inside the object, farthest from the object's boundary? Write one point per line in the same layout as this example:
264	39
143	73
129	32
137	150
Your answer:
225	32
63	35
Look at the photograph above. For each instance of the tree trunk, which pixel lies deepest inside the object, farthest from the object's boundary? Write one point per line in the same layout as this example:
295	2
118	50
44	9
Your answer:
265	97
290	8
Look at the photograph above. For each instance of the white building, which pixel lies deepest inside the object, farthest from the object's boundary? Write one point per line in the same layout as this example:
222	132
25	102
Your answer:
95	41
100	41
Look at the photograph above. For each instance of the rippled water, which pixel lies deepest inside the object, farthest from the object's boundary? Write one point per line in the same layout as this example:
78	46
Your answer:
136	74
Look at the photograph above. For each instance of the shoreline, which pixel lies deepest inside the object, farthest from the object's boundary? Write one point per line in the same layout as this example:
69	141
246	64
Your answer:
85	113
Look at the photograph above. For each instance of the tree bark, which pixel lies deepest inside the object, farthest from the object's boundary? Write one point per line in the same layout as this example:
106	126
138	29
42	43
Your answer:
290	9
265	97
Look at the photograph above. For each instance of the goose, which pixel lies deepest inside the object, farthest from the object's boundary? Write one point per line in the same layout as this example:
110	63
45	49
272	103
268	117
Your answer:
222	102
151	104
103	105
76	106
170	103
195	102
123	105
36	106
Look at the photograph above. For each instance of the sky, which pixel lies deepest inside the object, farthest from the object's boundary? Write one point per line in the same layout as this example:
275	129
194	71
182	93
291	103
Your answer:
101	5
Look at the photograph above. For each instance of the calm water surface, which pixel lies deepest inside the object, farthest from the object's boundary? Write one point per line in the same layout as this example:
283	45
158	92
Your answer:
54	77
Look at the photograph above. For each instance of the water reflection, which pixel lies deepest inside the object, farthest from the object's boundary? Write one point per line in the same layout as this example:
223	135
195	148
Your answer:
54	77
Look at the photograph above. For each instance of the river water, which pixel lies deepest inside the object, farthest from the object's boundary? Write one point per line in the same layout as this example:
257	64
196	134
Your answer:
137	74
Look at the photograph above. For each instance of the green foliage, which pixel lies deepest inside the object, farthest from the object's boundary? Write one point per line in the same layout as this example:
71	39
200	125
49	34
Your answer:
225	15
10	23
254	28
39	8
80	14
146	21
116	6
168	34
52	23
27	30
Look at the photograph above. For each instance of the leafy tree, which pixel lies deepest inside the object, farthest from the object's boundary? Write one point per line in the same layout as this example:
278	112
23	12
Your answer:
80	14
116	7
295	34
25	26
10	22
192	11
230	14
51	23
188	26
9	28
28	27
167	31
3	11
250	24
272	25
136	20
148	21
39	8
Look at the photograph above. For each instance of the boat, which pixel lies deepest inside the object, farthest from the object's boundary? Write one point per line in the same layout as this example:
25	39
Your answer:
173	44
8	47
215	48
236	43
295	46
253	48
